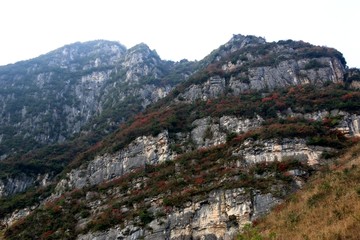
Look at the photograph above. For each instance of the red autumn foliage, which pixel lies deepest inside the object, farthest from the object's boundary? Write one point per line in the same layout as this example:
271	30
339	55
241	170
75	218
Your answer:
46	234
199	180
282	166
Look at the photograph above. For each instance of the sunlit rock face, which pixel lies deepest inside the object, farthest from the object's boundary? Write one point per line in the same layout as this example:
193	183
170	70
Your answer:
218	217
143	150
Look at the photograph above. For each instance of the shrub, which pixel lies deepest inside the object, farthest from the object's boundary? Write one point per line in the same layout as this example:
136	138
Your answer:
313	64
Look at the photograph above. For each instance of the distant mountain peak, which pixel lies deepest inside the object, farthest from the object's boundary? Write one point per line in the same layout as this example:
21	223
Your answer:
142	48
239	41
140	53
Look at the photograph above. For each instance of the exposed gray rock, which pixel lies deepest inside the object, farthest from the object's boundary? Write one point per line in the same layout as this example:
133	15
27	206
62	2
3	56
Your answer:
12	185
207	133
262	204
143	150
292	72
15	216
220	216
212	88
349	123
49	99
239	125
286	73
153	150
213	131
279	150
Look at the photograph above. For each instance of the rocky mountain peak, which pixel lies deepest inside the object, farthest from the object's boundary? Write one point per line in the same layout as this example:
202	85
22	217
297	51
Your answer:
90	54
140	53
61	91
239	41
244	127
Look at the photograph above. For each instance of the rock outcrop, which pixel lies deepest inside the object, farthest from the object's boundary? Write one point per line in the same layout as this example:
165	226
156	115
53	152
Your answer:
20	183
348	123
248	63
144	150
279	150
50	99
154	150
174	171
217	217
206	132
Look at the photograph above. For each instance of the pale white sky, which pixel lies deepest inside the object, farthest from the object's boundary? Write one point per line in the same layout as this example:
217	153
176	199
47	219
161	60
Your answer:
176	29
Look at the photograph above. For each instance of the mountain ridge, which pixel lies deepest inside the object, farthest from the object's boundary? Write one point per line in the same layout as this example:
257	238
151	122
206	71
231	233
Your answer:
251	111
77	78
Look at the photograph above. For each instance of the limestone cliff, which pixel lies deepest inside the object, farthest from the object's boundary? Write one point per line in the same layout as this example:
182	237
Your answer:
206	132
217	217
51	98
227	139
248	63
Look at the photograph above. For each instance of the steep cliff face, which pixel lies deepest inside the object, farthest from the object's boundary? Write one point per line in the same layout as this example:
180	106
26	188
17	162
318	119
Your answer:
206	132
217	217
144	150
83	89
14	185
249	63
21	183
150	150
216	153
49	99
278	150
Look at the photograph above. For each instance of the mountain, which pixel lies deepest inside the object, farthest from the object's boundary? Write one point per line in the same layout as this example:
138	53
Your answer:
71	97
50	99
184	150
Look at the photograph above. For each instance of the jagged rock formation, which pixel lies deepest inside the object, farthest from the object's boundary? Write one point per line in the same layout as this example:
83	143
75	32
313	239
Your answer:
278	150
82	88
58	92
247	63
11	185
50	98
217	217
154	150
185	168
349	123
144	150
21	183
206	133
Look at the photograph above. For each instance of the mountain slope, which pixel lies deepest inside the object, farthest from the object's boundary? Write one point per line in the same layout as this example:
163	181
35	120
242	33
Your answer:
213	190
328	207
69	99
249	63
49	99
212	155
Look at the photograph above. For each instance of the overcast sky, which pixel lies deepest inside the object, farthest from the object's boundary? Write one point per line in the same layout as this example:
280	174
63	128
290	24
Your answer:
176	29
